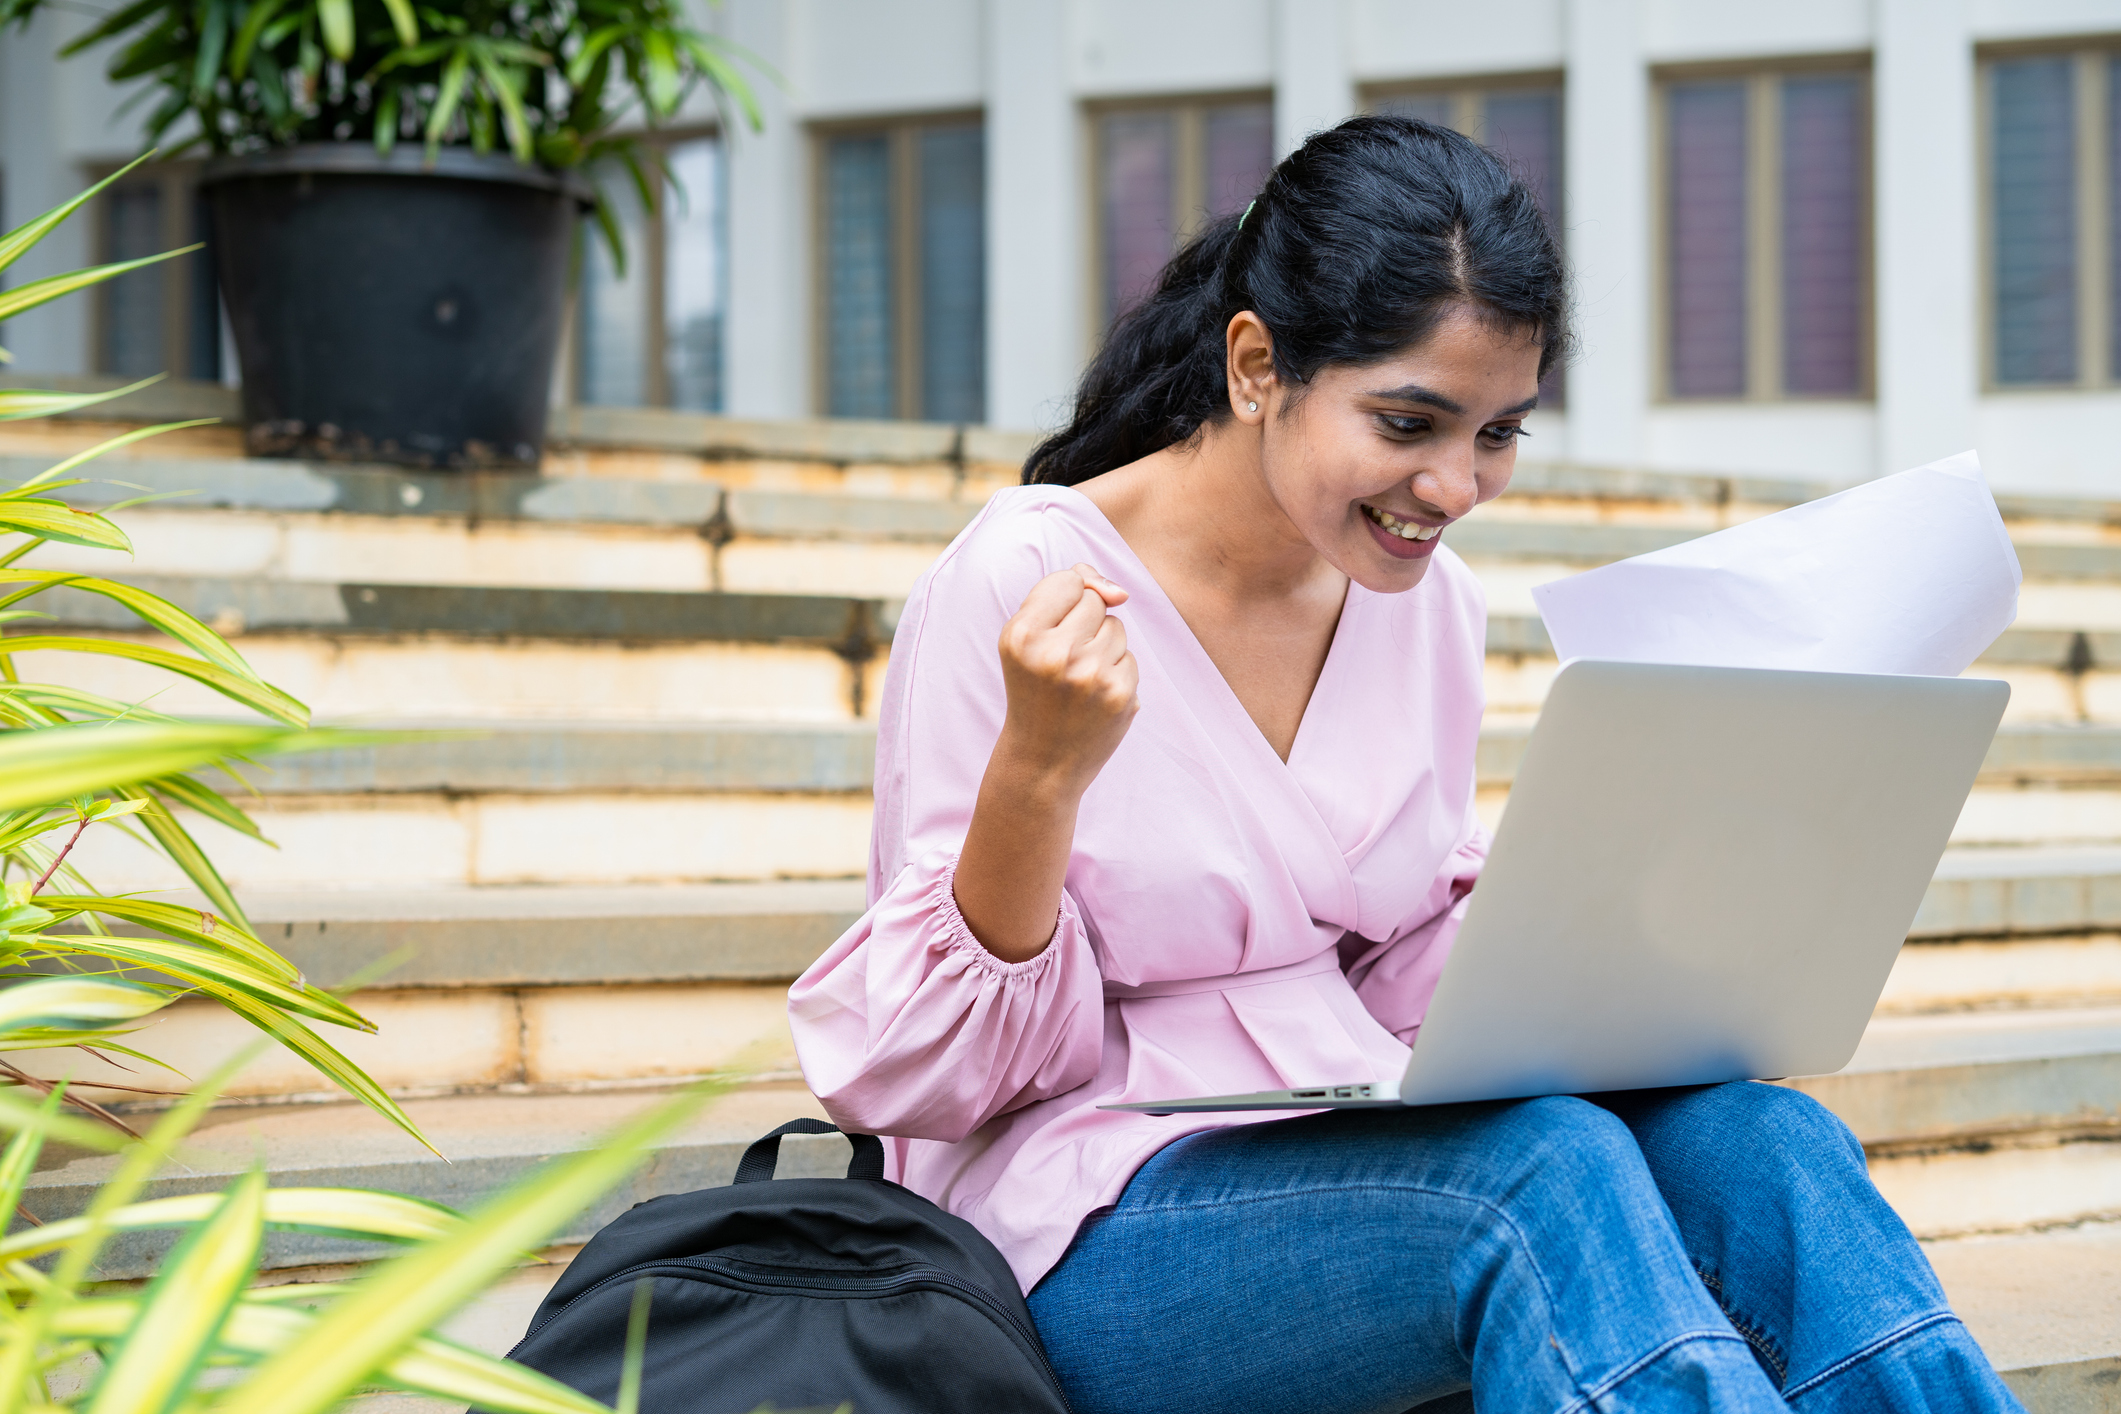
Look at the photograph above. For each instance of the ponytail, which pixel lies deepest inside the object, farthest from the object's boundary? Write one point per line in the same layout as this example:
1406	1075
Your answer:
1360	243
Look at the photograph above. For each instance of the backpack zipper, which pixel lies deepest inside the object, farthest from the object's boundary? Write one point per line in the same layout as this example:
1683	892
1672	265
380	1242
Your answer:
921	1274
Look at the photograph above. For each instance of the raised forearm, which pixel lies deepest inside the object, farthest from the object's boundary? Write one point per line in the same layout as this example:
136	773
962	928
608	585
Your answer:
1015	859
1071	686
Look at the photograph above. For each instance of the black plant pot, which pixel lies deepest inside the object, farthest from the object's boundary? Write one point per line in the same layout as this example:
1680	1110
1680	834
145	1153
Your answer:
388	311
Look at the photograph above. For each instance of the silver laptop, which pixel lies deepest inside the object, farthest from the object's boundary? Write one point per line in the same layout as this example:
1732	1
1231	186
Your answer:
1704	874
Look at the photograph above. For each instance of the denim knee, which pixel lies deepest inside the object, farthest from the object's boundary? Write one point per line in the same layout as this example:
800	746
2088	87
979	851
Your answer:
1748	1126
1562	1147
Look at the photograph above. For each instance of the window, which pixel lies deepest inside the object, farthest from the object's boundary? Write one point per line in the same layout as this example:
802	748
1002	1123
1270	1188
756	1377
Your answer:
1521	123
165	318
652	336
1766	235
2053	138
1163	172
903	271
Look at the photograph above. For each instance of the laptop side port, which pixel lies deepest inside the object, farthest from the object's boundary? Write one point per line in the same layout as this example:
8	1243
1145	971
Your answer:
1308	1094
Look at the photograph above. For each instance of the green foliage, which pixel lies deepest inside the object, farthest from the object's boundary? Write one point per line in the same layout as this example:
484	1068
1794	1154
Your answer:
552	81
73	760
301	1348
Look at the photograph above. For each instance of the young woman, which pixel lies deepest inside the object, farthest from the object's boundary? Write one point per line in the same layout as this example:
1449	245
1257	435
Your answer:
1174	795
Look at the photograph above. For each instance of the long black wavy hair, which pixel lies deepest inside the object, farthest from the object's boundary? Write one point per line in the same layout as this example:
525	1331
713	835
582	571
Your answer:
1360	242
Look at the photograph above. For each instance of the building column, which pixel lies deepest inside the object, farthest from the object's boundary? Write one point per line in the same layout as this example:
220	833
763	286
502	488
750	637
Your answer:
35	86
1037	276
1927	214
1313	86
767	334
1606	211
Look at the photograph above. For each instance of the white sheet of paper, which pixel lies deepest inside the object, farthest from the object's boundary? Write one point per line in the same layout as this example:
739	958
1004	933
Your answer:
1911	573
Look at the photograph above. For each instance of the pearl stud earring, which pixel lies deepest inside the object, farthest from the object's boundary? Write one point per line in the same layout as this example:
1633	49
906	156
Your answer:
1251	407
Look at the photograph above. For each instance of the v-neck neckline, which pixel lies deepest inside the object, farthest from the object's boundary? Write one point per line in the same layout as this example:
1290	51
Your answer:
1231	700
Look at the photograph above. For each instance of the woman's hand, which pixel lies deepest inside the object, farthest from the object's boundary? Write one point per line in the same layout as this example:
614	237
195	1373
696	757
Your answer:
1070	679
1071	685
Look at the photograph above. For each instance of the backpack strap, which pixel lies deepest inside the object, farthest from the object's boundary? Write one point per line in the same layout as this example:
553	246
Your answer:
759	1160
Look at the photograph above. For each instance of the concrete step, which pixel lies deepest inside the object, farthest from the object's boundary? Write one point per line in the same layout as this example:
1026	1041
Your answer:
443	841
1988	1122
2040	784
496	805
2066	672
1962	954
371	647
558	755
490	1140
2008	1125
555	935
1564	518
2041	1304
527	987
2046	1307
558	986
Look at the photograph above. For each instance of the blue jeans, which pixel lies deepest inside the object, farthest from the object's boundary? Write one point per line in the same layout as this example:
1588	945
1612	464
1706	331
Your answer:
1706	1249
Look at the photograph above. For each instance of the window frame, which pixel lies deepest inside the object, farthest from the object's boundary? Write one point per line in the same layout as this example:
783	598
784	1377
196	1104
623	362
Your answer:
2098	366
1189	178
649	255
1468	94
177	182
902	132
1764	350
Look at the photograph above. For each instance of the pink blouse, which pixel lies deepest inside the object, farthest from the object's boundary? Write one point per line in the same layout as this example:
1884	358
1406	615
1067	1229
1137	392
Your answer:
1230	922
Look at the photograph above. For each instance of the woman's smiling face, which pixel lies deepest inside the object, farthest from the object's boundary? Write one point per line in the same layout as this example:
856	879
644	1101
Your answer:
1373	463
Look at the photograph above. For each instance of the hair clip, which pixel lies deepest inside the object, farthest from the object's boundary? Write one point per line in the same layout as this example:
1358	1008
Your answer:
1248	212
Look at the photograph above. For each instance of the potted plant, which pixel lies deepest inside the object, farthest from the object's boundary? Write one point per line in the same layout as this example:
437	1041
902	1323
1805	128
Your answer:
395	190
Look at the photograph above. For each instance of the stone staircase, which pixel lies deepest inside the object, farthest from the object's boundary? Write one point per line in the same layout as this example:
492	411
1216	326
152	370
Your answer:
649	677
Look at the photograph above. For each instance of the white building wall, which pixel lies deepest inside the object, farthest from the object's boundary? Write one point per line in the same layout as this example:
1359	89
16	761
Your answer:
1036	68
770	330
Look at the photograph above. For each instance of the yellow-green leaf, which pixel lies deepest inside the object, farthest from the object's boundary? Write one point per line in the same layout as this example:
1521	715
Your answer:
370	1326
152	609
263	1323
178	921
75	1003
17	242
20	1160
336	18
402	20
328	1060
207	801
42	764
21	298
176	841
123	439
218	975
22	1117
74	699
16	403
183	1311
240	687
338	1212
55	520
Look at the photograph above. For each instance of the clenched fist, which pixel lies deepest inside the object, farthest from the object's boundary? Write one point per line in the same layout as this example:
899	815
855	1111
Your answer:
1071	686
1070	679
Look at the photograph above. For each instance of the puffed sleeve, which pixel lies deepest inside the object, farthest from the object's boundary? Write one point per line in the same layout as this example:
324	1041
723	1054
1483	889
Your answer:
1396	978
907	1026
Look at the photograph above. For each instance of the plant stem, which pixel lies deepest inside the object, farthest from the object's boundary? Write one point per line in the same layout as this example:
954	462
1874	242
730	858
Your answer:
45	878
44	1087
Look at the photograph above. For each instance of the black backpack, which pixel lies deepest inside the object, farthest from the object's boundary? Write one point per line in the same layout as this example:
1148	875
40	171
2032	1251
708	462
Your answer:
800	1293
